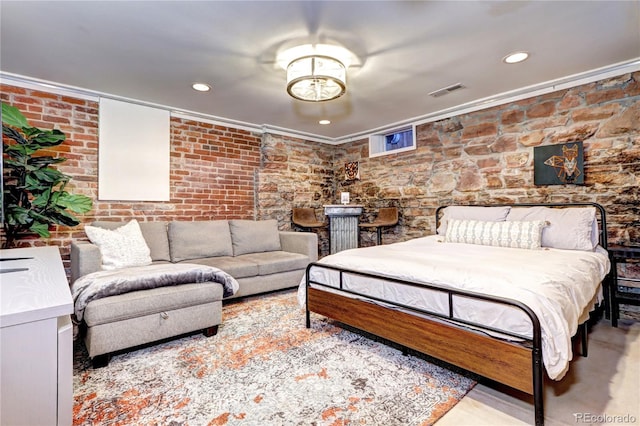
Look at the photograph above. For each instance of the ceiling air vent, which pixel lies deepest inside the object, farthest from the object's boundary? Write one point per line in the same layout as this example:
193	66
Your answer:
446	90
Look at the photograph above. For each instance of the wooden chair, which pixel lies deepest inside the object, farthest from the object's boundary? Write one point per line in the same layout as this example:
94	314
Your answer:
305	217
387	216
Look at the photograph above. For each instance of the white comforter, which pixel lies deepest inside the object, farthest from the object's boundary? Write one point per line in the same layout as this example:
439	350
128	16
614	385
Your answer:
560	286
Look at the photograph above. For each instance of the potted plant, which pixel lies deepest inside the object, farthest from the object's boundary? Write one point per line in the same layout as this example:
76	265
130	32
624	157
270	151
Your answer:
33	192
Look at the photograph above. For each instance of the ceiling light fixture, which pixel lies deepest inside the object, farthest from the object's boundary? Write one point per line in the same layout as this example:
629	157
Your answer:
515	57
324	122
201	87
316	72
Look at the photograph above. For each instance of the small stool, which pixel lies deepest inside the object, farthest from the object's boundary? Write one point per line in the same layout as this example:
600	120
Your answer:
305	217
387	216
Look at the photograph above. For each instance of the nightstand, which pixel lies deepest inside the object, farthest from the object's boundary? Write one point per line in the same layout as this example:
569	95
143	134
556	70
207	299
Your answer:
621	254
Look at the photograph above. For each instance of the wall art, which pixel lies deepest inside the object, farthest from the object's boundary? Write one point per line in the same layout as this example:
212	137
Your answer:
351	171
558	164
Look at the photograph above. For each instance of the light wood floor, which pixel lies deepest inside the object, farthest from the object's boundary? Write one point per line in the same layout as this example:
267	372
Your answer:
606	383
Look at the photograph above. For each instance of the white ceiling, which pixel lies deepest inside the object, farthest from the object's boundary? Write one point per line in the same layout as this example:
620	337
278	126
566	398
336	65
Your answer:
152	51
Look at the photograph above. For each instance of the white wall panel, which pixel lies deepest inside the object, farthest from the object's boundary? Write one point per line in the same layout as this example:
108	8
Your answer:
133	152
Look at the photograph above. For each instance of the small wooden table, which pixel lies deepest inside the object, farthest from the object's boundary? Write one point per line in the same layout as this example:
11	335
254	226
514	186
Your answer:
621	254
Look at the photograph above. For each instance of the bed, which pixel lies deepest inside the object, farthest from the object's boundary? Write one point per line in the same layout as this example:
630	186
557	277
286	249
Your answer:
499	291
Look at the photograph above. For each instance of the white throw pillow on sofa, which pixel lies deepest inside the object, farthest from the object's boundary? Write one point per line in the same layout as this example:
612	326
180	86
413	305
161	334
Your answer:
121	247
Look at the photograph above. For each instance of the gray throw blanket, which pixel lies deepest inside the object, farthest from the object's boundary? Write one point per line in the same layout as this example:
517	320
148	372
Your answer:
112	282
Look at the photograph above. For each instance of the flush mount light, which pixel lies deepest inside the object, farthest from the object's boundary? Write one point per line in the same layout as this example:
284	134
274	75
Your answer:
201	87
324	122
515	57
316	72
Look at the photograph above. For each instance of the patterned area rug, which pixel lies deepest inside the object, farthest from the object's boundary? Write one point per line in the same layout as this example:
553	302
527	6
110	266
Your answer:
265	368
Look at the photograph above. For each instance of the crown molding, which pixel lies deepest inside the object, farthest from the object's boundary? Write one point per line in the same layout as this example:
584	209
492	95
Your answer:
476	105
505	98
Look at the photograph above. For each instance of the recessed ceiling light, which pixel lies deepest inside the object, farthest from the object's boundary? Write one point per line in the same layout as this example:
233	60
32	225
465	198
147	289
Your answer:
515	57
201	87
324	122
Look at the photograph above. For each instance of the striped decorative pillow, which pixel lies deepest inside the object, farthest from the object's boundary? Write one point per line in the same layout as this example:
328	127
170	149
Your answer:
514	234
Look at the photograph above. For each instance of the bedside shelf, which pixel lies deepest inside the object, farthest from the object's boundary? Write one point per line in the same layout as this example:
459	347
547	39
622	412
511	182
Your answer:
622	254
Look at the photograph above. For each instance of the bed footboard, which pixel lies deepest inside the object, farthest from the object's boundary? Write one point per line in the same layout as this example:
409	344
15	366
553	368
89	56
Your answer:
444	337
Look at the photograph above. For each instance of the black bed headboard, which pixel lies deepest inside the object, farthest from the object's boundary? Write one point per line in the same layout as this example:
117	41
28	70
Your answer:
602	229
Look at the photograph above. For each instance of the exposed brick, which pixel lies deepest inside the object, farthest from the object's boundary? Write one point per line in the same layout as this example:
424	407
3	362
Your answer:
605	95
512	116
532	138
595	113
545	109
479	130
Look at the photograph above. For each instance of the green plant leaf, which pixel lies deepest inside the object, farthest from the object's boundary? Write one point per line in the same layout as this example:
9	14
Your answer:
42	199
44	161
48	138
17	215
33	184
47	175
19	152
13	117
75	203
61	217
14	134
34	195
42	229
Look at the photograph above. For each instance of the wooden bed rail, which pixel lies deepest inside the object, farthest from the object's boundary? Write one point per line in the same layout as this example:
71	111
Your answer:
442	336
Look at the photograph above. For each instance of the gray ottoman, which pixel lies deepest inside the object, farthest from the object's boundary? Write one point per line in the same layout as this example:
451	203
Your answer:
132	319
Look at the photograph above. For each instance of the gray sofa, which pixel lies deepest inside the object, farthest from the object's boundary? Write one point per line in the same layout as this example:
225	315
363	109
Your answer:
255	253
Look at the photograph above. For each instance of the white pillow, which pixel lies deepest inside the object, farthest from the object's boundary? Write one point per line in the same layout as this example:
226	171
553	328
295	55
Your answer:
525	235
121	247
491	214
570	228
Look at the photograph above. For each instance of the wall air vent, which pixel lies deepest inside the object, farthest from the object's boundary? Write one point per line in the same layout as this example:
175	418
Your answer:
446	90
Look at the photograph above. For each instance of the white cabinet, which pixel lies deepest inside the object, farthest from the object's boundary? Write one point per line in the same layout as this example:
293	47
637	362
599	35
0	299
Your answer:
36	339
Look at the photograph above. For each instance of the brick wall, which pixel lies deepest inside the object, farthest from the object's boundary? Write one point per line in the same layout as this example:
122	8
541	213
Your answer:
213	168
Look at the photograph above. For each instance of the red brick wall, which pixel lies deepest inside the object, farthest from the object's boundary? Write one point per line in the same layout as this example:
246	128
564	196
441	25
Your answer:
213	167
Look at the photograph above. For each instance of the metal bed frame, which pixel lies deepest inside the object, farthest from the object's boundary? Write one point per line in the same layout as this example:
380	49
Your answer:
445	336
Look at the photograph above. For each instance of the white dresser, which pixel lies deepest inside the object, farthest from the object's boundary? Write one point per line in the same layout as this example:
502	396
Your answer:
36	339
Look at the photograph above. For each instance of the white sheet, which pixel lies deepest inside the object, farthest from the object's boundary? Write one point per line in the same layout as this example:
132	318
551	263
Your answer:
558	285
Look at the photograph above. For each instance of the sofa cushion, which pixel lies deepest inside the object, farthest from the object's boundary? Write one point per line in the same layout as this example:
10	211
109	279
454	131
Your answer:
145	302
121	247
237	268
154	233
272	262
195	240
254	236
